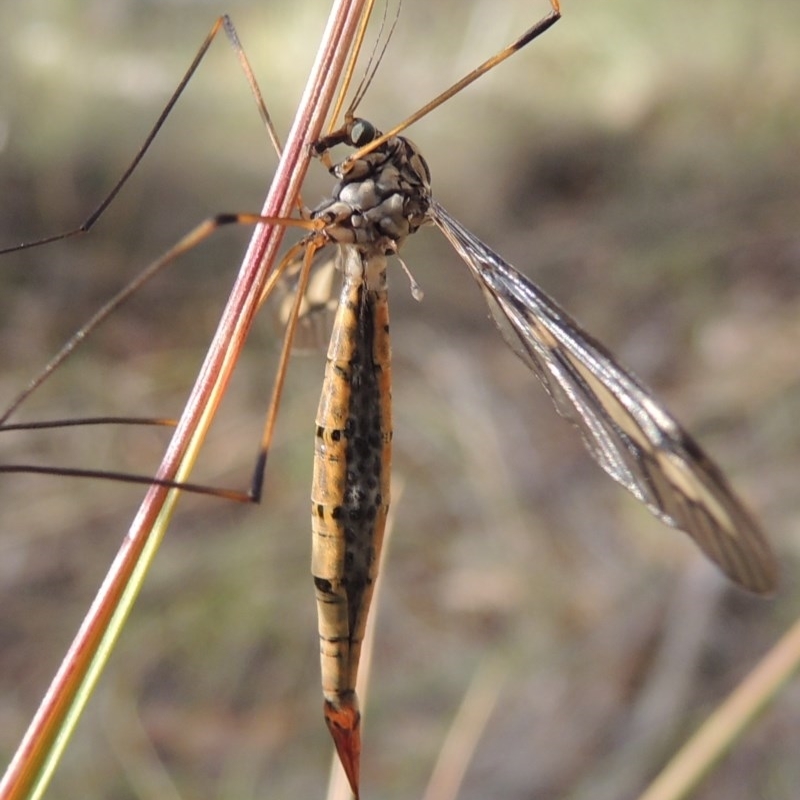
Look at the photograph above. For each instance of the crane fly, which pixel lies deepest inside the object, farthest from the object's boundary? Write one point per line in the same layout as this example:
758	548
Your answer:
625	429
382	196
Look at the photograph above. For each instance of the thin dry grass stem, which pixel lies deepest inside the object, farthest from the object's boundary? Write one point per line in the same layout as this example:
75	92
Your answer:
134	749
79	670
347	78
666	689
465	731
735	716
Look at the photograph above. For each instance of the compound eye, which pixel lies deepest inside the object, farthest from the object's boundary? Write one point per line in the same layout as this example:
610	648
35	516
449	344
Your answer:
362	132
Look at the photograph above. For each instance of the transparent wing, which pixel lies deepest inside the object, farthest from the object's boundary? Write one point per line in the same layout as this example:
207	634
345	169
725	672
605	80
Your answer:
318	306
626	430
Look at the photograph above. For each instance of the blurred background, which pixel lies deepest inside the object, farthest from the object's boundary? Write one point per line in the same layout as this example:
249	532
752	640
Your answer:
639	162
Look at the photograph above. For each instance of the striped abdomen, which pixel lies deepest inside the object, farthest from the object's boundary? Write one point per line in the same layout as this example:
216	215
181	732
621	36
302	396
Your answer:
350	492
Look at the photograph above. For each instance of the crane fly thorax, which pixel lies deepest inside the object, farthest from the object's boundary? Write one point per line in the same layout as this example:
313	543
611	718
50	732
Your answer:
382	199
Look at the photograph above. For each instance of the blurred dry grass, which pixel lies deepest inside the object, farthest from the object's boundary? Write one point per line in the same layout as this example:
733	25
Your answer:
640	162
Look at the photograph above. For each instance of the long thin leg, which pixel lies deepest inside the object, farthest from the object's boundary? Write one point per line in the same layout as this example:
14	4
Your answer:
192	239
532	33
222	23
280	376
189	241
